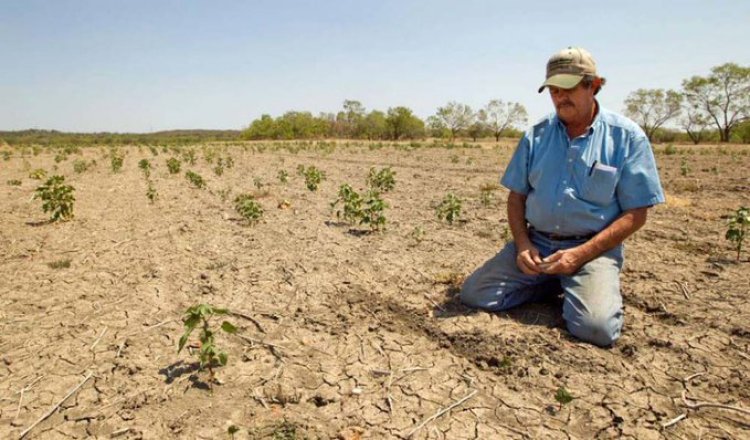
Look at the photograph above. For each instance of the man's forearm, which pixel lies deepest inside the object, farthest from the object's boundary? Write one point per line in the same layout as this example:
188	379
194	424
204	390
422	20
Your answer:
614	234
517	219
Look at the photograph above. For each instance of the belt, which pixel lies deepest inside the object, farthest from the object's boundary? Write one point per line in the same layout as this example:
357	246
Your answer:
558	237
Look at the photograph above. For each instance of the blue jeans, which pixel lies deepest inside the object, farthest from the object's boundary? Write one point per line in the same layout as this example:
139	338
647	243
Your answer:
592	306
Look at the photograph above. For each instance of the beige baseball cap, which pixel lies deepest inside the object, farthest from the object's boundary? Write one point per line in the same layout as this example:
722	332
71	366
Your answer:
566	68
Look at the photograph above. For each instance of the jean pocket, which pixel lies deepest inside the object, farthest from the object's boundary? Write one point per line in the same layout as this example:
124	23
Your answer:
600	185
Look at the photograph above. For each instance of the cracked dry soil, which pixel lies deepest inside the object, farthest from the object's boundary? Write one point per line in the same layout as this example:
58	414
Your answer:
350	335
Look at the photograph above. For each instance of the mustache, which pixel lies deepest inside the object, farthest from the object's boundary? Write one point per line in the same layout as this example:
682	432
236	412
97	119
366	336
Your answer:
564	104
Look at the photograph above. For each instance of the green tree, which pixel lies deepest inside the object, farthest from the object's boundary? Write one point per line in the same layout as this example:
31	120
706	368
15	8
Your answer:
374	125
500	116
456	117
263	128
651	108
351	119
724	95
402	123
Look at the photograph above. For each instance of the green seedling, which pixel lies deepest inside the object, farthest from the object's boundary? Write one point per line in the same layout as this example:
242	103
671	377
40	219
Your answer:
14	182
418	234
372	214
684	167
383	180
283	176
670	150
219	168
300	170
173	165
189	156
352	204
57	198
224	194
80	166
248	208
154	150
151	193
38	174
209	355
737	228
228	162
116	163
145	166
486	193
313	177
258	183
563	397
449	209
60	157
195	179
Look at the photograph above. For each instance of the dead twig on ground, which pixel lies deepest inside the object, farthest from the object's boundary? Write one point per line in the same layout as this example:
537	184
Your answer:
700	405
684	288
674	421
101	335
56	406
23	390
249	318
693	376
272	347
441	412
433	302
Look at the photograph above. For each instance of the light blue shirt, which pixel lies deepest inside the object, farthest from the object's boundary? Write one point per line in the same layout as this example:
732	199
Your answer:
579	186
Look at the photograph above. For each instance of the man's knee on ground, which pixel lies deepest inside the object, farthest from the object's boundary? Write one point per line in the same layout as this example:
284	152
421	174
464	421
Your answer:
602	331
471	296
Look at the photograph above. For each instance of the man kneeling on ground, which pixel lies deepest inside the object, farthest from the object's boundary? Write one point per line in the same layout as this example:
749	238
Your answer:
581	182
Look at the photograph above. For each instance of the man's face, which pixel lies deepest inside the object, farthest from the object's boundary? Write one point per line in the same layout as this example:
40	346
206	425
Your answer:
573	106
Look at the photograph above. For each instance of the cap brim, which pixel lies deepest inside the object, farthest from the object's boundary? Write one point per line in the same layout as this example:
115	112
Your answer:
562	80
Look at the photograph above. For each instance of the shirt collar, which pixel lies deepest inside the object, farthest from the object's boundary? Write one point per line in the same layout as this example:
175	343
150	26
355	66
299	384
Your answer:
594	122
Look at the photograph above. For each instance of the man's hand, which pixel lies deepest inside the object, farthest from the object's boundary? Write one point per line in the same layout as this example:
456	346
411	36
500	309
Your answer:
563	262
528	259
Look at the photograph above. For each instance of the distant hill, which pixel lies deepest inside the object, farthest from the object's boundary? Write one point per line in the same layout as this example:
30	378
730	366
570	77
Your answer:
169	137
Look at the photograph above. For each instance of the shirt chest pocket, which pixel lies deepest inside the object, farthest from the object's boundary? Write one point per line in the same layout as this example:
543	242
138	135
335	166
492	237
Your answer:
599	184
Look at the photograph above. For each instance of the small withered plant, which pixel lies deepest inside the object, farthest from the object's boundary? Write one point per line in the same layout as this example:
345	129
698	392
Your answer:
145	166
199	317
195	179
739	223
116	162
57	198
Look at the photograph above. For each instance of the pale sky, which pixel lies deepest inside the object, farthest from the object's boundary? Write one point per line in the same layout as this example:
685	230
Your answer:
140	66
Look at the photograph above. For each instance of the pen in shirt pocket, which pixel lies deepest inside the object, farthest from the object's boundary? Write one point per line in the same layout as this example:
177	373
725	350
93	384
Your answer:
591	170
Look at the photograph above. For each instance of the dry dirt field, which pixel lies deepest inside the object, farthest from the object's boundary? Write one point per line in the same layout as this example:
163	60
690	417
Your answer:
349	335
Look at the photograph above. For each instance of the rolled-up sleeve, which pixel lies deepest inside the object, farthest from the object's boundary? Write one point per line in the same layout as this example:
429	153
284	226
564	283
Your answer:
639	184
516	176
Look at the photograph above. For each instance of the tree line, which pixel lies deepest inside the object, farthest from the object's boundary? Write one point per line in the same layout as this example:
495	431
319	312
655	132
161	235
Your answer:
353	121
716	105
